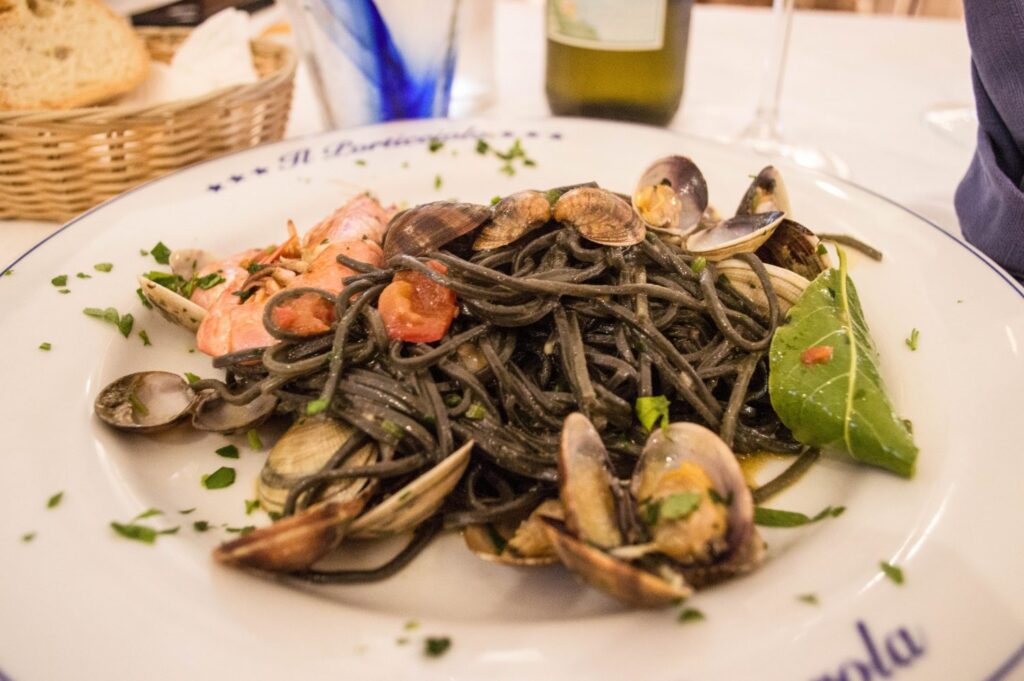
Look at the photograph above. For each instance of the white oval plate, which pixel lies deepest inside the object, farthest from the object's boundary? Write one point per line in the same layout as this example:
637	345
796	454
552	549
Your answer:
78	601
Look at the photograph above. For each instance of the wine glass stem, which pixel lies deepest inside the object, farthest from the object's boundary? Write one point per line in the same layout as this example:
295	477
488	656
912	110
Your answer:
766	120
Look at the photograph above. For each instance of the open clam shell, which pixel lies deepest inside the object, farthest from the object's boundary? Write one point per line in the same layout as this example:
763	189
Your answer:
211	413
739	234
788	285
416	502
766	193
429	226
304	449
145	402
174	307
671	195
630	585
666	451
585	484
600	216
293	543
794	247
514	216
520	544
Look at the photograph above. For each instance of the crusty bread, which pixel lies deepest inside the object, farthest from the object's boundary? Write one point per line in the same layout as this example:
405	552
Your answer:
58	54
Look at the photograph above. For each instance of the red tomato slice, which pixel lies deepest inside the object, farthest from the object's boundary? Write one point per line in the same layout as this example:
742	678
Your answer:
416	309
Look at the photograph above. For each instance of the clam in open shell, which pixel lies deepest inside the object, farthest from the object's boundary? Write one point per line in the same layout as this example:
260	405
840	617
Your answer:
145	402
518	543
671	196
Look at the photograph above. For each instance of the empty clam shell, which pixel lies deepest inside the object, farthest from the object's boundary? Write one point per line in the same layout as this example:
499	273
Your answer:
429	226
789	286
585	484
174	307
293	543
513	216
767	193
632	586
522	544
145	402
740	234
216	415
671	195
600	216
416	502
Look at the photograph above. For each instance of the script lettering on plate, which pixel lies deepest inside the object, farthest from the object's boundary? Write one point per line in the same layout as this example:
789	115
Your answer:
880	657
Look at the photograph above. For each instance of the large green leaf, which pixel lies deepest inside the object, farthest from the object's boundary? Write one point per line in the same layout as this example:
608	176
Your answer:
839	402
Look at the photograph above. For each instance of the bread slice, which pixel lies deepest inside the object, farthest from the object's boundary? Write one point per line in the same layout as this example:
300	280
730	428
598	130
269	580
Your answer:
59	54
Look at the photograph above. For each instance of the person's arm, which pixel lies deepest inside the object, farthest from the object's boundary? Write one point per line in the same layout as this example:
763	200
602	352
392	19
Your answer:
989	200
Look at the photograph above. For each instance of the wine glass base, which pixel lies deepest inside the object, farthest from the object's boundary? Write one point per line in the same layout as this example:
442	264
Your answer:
801	155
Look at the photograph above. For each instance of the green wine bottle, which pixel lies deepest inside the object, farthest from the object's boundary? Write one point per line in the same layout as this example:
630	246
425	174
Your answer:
623	59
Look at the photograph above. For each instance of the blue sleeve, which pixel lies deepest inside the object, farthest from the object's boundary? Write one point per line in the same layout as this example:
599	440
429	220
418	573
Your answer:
989	201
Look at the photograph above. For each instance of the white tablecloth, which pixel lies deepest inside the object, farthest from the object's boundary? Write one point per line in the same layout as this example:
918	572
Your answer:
856	86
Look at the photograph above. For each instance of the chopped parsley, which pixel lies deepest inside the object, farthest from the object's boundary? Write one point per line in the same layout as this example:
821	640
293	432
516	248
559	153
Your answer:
60	280
315	406
145	301
145	337
142	533
434	144
228	452
219	479
251	505
718	498
240	530
360	161
495	200
187	511
892	572
45	346
148	513
770	517
690	615
679	506
9	272
63	290
103	266
393	429
476	411
190	377
54	501
83	275
698	264
182	286
27	537
652	409
122	322
253	438
809	599
411	625
245	294
143	252
822	250
254	267
436	646
438	181
210	280
482	147
161	253
402	640
201	525
912	341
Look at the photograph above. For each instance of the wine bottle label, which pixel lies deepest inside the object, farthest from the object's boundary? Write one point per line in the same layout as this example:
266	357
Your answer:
632	26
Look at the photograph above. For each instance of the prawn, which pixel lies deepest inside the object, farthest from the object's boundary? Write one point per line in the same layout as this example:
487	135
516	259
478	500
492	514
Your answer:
234	319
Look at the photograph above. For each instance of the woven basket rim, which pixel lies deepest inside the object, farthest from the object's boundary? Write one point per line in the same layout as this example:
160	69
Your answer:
286	71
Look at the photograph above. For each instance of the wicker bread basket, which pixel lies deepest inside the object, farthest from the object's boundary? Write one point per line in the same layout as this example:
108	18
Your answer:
56	164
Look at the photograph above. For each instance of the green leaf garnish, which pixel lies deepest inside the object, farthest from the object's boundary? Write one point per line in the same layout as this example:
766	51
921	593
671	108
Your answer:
54	501
678	506
9	272
220	478
315	406
27	537
253	438
240	530
495	200
912	341
103	266
360	161
482	147
393	429
201	525
809	599
411	625
843	402
210	280
63	290
187	511
652	409
148	513
60	280
145	301
228	452
145	337
436	646
124	325
691	615
771	517
254	267
476	411
161	253
892	572
190	377
251	505
138	405
45	346
698	264
111	316
142	533
83	275
434	144
438	181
